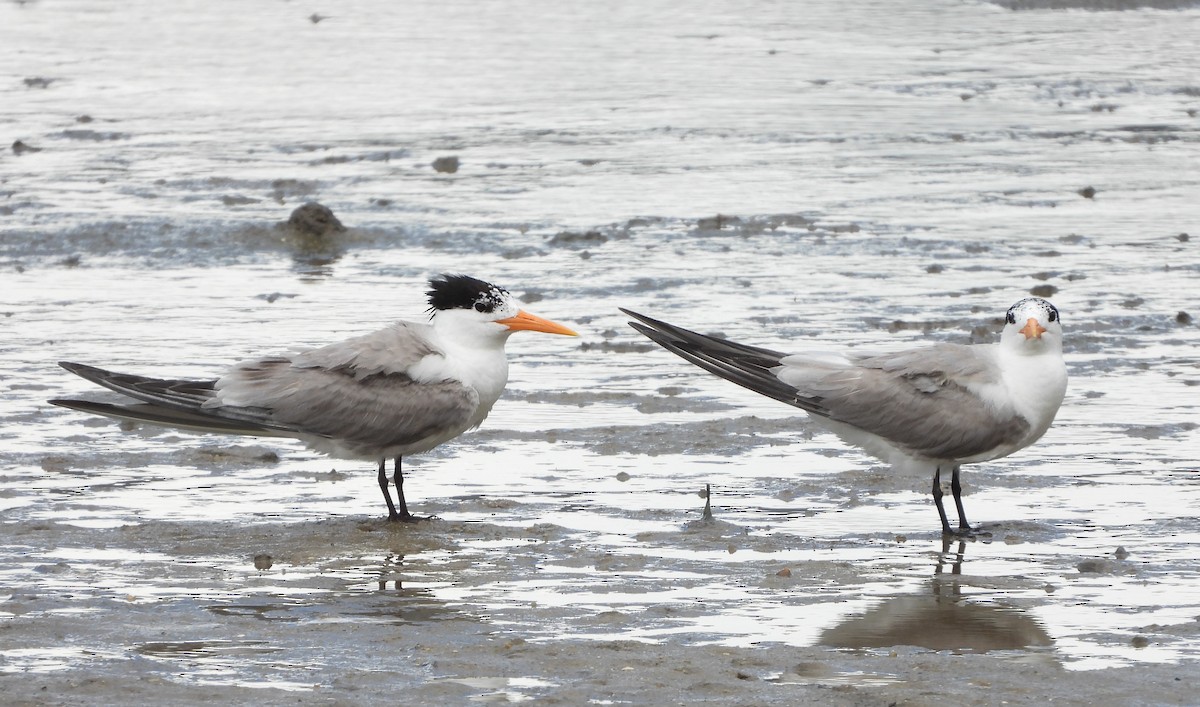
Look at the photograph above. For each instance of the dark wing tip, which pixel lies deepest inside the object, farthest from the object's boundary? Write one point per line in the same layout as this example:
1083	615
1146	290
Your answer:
82	369
80	405
651	321
98	376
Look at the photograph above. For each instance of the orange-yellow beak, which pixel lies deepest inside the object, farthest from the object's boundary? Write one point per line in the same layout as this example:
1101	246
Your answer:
1033	330
524	321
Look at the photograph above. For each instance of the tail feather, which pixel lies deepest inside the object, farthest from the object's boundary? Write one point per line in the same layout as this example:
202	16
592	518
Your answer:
172	402
748	366
180	394
168	417
714	343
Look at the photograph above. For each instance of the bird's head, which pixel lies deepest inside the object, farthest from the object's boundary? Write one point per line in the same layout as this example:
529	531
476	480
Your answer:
1032	326
471	305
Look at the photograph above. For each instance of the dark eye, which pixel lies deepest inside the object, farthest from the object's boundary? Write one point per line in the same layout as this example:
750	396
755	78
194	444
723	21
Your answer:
1011	318
1054	315
480	307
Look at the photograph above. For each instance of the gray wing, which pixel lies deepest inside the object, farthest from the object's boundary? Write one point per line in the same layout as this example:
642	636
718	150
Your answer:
370	412
920	400
919	408
394	349
355	391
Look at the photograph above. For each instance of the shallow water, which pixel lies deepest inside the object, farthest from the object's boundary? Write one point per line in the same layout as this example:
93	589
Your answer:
841	177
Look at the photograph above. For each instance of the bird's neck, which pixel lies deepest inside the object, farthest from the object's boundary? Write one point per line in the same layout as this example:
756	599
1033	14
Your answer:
479	363
1039	381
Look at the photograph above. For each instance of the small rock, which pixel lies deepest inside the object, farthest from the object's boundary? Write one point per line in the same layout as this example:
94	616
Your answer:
573	238
717	223
1183	318
1183	238
1087	192
934	269
263	561
55	464
785	572
20	148
446	165
1095	567
1043	290
56	568
1121	553
314	219
1139	642
623	477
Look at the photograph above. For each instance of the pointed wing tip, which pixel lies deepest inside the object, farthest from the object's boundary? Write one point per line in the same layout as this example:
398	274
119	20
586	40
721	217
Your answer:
80	369
638	326
645	320
80	405
656	336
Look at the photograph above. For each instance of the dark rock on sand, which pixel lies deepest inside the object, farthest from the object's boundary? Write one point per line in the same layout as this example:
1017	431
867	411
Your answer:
314	219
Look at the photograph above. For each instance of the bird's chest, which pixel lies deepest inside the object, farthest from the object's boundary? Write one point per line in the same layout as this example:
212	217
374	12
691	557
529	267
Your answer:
485	372
1034	388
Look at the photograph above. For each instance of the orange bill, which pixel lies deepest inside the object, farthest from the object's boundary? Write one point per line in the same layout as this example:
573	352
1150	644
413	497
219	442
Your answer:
1033	330
524	321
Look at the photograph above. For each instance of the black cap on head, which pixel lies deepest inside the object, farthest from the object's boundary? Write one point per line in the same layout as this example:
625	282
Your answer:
464	292
1048	309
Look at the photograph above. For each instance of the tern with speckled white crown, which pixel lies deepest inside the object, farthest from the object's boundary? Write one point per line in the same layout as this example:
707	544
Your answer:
401	390
937	406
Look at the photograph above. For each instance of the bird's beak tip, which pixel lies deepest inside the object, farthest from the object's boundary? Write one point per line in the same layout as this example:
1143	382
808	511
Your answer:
524	321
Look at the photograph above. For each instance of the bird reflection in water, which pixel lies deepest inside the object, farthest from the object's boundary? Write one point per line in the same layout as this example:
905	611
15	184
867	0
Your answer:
390	571
940	620
396	603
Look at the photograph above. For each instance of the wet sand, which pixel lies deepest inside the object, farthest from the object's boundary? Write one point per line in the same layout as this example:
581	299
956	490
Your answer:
859	177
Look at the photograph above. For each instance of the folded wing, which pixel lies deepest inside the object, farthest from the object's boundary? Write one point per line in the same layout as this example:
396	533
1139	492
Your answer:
925	401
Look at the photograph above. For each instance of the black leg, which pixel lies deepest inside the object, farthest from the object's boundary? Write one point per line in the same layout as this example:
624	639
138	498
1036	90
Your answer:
383	486
937	500
956	489
404	515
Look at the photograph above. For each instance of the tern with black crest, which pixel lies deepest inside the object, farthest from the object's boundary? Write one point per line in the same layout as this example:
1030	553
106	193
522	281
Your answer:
938	406
401	390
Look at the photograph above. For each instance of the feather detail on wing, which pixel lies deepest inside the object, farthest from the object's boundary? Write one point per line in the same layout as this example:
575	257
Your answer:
378	410
395	349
